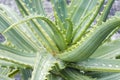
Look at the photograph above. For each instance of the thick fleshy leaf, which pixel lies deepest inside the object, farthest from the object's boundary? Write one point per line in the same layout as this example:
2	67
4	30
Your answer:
26	73
80	8
108	50
87	20
88	44
69	32
33	6
5	73
106	10
14	37
115	76
8	56
44	63
39	27
60	9
106	65
27	32
54	77
57	36
9	64
72	74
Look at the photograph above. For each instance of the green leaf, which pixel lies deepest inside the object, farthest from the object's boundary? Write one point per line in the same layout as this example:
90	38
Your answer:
60	9
108	50
105	12
14	57
27	7
99	74
69	32
14	36
57	36
54	77
88	44
38	6
72	74
27	33
5	73
92	64
39	27
26	73
85	24
5	63
17	51
80	8
115	76
43	65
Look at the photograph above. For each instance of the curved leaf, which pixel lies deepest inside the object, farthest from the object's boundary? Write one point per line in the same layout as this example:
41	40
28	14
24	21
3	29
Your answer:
94	64
71	74
53	77
104	15
82	27
8	56
88	45
60	9
57	36
115	76
43	65
28	32
32	6
14	37
108	50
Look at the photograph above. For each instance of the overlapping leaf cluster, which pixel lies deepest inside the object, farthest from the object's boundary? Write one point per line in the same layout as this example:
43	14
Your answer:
75	45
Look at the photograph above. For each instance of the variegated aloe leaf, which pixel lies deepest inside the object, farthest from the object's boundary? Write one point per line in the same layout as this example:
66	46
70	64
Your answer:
44	60
16	58
33	7
85	17
104	14
5	63
78	9
43	64
14	38
94	64
61	13
90	38
25	73
88	44
32	36
72	74
6	72
104	75
15	52
54	77
84	43
81	19
45	32
108	50
27	31
115	76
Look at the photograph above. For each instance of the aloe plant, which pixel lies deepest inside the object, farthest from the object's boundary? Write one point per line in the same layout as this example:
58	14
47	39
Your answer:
75	45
